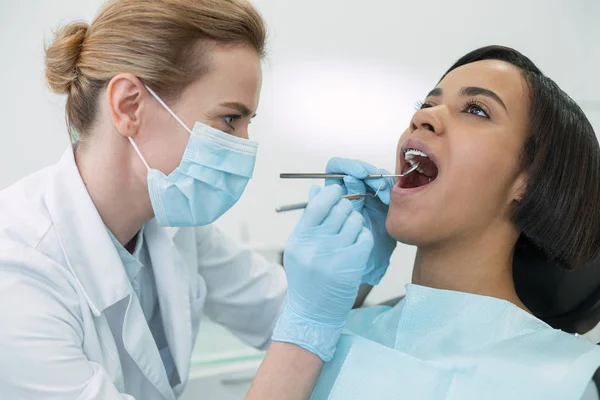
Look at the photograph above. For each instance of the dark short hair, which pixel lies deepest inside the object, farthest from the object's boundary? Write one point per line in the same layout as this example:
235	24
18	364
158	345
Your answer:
560	211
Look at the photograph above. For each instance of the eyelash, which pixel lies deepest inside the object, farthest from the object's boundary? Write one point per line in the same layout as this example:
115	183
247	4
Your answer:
474	103
233	119
420	105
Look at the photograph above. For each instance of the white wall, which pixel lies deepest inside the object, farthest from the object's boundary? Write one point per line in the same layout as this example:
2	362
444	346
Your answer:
341	80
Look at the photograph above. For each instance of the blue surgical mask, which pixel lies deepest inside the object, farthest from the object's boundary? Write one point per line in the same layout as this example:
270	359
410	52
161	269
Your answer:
209	180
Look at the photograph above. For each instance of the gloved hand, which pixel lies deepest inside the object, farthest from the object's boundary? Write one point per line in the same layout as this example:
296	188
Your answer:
324	261
373	209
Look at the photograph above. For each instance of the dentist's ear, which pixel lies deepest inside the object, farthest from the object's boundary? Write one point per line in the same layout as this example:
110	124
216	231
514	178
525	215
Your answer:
125	93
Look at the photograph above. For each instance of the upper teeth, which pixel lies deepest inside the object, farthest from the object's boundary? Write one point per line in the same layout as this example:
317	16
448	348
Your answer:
409	155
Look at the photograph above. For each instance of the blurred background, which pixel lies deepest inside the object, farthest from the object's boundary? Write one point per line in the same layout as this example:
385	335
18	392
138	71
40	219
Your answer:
341	79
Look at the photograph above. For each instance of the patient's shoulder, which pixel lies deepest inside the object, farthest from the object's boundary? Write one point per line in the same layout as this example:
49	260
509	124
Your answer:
561	345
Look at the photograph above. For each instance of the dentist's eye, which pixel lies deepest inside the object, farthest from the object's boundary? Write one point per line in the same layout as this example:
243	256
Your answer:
230	119
477	109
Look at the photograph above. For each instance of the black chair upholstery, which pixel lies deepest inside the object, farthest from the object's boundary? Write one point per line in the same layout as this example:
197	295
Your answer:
566	300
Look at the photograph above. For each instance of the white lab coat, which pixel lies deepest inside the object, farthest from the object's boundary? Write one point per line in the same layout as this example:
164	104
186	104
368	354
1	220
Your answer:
70	324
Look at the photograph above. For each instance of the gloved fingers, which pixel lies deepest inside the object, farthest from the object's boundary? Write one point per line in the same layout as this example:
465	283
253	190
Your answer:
383	187
357	171
375	206
351	229
314	190
365	243
347	167
368	270
340	182
372	275
336	218
320	205
350	185
355	186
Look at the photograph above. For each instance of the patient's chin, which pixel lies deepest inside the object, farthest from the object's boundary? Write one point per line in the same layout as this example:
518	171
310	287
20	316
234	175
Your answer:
402	231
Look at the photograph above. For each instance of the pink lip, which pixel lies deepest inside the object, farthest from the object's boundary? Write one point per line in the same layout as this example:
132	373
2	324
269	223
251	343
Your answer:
398	191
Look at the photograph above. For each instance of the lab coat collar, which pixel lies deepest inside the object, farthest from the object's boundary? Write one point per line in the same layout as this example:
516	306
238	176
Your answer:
81	233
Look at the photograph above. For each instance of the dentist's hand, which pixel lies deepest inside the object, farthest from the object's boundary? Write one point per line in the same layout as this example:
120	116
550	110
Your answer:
324	262
373	209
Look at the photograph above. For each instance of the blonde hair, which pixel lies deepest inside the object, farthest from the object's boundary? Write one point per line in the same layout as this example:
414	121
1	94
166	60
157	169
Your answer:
155	40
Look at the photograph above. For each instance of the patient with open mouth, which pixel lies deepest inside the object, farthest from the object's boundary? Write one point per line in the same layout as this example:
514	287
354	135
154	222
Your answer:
505	158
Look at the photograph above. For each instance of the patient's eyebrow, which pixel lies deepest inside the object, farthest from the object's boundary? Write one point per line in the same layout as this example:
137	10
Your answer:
478	91
435	92
472	91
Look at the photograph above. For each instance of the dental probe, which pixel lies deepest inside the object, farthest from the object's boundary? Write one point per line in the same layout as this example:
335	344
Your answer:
342	176
300	206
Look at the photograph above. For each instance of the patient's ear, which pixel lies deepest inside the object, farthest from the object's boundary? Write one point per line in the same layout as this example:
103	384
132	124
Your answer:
519	188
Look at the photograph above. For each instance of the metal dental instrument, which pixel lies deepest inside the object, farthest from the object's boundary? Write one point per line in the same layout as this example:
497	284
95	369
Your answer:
300	206
342	176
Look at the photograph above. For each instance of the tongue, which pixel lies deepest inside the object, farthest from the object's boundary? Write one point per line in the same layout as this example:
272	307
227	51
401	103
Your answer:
414	180
423	180
428	166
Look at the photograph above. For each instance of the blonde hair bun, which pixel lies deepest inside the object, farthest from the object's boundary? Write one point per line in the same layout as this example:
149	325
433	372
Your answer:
62	57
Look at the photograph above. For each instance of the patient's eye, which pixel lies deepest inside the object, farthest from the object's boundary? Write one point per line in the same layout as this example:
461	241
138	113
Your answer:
420	105
476	108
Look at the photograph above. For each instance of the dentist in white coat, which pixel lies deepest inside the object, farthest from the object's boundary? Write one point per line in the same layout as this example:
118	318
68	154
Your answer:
109	259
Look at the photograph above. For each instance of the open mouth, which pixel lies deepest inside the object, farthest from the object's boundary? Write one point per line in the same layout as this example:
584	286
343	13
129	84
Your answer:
424	175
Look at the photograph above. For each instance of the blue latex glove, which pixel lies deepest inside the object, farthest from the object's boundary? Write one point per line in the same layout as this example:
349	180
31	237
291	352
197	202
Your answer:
324	261
374	210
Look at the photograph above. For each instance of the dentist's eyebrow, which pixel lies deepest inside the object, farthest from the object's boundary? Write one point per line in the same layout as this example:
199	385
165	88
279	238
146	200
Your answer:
239	107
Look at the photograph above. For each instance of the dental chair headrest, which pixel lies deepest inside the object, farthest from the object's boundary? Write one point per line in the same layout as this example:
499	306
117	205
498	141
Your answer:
566	300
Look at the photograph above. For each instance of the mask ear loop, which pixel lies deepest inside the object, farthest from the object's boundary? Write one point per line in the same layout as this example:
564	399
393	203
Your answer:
162	103
139	153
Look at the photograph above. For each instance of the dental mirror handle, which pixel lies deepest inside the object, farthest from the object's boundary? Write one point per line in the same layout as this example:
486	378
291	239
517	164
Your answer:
300	206
328	176
342	176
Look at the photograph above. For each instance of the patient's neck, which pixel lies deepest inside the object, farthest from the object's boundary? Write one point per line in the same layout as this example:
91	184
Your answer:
481	265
